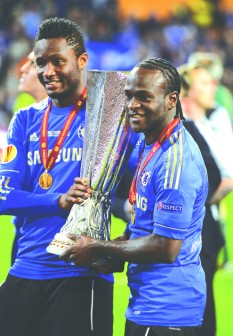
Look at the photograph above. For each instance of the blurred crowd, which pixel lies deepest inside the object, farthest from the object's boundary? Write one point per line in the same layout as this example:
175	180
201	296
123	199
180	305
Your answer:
113	41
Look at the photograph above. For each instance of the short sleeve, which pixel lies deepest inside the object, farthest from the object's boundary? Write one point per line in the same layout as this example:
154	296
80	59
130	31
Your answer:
173	213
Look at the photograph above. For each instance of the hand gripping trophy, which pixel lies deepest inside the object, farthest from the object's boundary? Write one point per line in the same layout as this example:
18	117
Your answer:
106	151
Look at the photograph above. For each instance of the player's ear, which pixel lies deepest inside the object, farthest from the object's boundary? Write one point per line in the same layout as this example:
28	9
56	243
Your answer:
173	99
82	61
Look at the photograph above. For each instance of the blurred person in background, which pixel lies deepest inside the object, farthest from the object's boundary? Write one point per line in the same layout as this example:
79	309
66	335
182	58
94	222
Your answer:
31	90
19	46
213	64
211	119
198	102
4	122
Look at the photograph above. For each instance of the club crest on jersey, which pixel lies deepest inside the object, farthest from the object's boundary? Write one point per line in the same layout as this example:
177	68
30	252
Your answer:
81	131
9	154
177	208
145	177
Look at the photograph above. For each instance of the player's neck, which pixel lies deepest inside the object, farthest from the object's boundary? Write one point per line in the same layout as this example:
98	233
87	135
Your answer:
70	99
162	131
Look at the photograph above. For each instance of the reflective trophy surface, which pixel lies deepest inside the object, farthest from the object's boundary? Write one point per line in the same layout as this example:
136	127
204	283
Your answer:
105	154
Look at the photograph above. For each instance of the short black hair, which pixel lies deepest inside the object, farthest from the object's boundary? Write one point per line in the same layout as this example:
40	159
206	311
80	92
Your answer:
60	27
170	74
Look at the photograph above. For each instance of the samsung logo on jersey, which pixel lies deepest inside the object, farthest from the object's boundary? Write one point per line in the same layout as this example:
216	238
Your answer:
65	155
169	207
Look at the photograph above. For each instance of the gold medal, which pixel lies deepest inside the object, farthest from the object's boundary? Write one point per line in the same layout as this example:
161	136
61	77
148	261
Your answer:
45	180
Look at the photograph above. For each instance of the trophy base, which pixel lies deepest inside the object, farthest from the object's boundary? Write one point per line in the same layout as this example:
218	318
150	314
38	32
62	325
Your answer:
59	244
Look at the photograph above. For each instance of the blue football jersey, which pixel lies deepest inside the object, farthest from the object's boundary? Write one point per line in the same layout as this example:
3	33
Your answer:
22	195
170	200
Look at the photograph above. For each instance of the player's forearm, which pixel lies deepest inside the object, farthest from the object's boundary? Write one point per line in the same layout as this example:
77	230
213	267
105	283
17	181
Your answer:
148	249
20	202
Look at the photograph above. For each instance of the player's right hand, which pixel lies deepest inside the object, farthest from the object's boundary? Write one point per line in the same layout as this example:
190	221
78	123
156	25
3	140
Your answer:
77	193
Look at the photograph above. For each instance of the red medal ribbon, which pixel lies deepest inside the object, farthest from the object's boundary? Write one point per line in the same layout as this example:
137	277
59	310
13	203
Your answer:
167	131
48	162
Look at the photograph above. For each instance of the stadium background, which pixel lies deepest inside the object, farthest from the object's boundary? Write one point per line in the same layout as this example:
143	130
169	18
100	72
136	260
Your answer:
124	32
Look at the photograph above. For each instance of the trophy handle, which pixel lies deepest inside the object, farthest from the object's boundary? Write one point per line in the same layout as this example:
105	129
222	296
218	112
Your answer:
92	217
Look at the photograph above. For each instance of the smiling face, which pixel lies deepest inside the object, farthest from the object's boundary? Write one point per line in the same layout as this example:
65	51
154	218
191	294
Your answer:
59	70
148	108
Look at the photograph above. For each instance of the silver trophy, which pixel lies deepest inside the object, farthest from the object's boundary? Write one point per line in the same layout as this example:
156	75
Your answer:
105	154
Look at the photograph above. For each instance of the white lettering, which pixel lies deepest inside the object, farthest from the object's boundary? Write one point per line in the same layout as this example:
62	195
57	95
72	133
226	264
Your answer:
141	202
36	157
58	159
172	207
30	162
65	155
76	154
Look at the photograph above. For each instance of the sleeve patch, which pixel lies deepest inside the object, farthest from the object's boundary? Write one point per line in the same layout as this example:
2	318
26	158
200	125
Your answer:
175	208
9	154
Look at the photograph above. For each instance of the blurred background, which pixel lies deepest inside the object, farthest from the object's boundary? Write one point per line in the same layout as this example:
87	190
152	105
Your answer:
119	34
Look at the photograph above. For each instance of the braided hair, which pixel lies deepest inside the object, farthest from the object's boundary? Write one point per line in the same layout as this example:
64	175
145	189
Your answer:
171	76
60	27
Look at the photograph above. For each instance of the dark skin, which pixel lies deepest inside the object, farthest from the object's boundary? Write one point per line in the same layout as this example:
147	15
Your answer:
61	72
149	111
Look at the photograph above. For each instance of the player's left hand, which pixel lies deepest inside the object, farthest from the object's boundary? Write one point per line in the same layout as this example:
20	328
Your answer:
83	252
